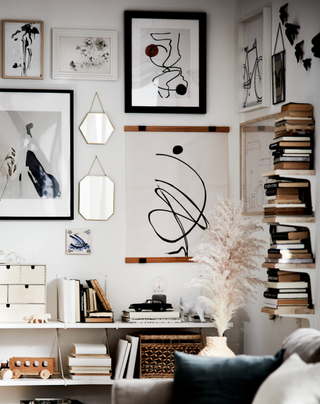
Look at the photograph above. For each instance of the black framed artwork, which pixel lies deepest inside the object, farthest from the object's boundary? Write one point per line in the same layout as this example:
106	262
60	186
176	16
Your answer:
165	62
36	154
278	78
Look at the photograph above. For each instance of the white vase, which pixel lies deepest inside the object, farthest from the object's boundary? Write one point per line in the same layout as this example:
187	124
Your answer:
217	346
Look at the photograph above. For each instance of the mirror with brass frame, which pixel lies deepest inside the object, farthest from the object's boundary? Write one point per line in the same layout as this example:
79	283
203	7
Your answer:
96	196
96	127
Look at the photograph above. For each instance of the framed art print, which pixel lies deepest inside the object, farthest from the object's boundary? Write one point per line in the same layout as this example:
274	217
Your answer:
22	49
84	54
255	159
278	78
165	62
78	241
254	60
36	154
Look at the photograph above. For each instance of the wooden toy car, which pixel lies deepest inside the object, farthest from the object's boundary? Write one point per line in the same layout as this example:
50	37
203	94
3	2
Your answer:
32	366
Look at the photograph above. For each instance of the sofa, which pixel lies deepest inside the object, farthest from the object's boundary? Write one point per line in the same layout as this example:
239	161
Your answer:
291	376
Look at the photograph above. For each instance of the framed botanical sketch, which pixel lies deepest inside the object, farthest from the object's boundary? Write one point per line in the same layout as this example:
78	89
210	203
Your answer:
36	154
255	158
278	78
174	178
22	49
165	62
84	54
254	60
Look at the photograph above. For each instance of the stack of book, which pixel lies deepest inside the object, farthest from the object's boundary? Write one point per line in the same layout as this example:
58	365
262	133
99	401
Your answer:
77	303
287	196
148	316
290	247
89	361
51	401
292	148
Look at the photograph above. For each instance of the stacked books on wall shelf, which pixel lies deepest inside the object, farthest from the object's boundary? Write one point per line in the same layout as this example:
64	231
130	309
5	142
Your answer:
89	361
125	357
292	148
148	316
77	303
287	196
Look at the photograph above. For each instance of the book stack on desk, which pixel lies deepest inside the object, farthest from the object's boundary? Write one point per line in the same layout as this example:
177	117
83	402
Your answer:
292	148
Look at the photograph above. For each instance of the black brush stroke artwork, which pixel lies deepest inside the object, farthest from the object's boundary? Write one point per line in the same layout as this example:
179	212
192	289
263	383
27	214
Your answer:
171	79
283	11
316	46
166	196
299	51
291	32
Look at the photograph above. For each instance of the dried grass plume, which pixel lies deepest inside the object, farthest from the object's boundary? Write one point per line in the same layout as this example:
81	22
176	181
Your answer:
227	262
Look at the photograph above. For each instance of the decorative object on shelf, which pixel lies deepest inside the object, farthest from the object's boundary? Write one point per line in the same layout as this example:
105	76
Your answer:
165	62
96	196
39	318
278	71
22	45
78	241
151	304
38	125
169	188
217	346
27	366
255	158
227	263
8	256
159	285
190	304
96	127
254	60
6	374
84	54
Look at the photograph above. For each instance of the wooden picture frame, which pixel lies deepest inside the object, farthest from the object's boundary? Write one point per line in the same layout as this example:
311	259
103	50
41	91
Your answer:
36	154
255	159
84	54
161	51
278	78
22	49
254	35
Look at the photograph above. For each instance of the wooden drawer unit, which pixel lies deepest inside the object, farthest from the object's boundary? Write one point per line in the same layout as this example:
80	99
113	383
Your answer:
22	292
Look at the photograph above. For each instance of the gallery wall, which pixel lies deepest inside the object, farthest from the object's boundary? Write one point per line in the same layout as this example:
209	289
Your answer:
44	241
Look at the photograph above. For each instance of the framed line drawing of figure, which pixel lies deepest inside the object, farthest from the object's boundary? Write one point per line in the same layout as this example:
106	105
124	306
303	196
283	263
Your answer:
22	49
165	62
36	154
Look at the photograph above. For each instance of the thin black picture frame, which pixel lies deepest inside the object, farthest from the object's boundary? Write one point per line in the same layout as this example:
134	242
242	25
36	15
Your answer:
278	78
171	98
27	112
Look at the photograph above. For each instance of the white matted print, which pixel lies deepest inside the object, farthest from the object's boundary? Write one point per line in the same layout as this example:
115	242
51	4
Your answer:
78	241
84	54
173	181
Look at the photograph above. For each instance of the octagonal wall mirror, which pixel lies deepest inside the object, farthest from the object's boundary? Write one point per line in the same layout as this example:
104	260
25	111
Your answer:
96	127
96	196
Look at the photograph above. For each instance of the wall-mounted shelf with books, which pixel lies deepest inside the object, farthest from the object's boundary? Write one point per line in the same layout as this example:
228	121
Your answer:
290	264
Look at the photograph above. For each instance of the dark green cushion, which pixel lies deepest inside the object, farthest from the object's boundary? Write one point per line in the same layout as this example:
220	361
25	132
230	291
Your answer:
209	380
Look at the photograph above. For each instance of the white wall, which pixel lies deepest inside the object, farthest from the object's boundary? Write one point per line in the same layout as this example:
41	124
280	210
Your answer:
44	241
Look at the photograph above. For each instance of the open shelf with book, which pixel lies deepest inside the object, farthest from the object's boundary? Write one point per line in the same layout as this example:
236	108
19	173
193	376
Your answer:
290	192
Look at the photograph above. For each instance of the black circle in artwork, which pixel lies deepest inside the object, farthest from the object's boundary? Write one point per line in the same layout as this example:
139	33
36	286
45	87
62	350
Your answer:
177	149
181	89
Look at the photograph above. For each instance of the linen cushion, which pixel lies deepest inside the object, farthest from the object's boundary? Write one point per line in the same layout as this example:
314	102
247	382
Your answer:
204	380
305	342
295	382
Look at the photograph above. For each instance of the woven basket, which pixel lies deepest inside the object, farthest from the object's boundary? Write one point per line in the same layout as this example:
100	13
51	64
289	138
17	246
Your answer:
156	352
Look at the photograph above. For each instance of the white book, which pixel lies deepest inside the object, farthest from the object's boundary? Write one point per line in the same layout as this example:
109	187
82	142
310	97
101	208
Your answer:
89	349
286	285
77	300
63	298
88	377
132	356
88	361
151	320
119	357
72	300
125	360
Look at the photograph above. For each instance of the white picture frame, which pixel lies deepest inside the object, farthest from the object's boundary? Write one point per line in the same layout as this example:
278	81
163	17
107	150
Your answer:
84	54
254	53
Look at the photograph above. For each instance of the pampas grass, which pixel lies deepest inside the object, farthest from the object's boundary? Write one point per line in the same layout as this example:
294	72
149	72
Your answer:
227	262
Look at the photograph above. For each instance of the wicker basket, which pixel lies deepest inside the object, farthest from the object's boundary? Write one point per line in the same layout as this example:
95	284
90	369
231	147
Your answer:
156	352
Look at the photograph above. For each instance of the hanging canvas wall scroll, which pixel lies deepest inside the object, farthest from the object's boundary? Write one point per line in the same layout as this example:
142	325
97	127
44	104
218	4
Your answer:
96	126
96	196
174	176
278	71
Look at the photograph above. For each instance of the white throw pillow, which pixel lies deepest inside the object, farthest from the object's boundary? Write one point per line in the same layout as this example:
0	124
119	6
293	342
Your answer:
294	382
